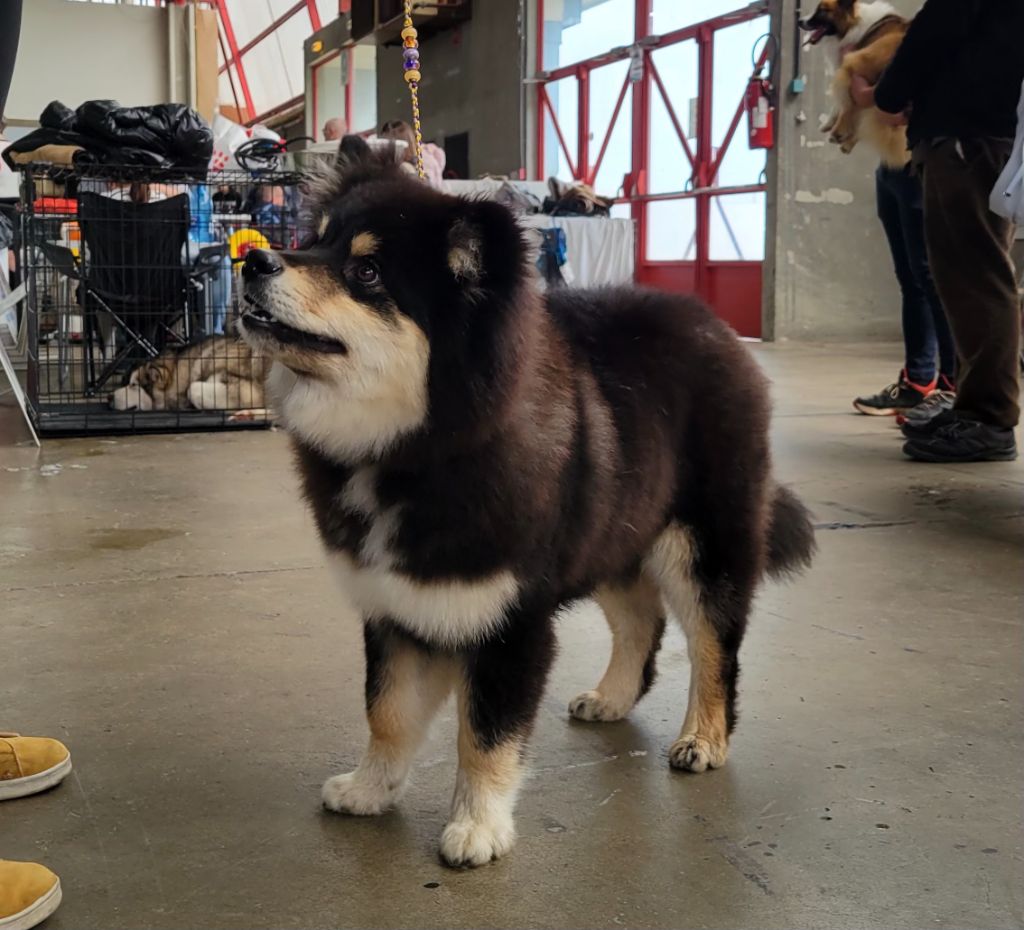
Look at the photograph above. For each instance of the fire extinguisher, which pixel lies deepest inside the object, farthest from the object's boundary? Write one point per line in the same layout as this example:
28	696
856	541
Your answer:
760	112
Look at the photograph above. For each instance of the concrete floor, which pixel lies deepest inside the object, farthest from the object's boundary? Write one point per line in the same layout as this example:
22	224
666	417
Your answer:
164	611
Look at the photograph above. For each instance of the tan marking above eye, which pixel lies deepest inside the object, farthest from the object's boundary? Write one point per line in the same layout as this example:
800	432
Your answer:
364	243
325	221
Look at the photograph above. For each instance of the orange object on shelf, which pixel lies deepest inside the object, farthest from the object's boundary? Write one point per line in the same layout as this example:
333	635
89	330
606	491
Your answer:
55	205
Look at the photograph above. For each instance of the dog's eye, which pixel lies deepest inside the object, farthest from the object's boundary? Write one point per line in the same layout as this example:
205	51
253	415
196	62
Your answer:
367	273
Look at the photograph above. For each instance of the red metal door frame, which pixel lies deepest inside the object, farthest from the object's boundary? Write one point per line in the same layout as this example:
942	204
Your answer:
734	287
313	68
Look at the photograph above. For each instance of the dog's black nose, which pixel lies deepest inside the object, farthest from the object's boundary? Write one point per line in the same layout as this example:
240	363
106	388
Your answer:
259	263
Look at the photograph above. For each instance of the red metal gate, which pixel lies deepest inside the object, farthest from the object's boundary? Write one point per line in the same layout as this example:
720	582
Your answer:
696	195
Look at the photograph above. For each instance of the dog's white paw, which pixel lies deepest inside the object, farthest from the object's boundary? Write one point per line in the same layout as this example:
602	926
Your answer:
592	705
354	794
207	395
696	753
473	842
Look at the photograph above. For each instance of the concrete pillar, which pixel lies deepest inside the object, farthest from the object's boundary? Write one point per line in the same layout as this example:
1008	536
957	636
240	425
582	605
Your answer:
828	272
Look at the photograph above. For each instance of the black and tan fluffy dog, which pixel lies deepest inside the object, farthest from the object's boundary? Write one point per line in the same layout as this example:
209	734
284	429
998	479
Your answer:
478	454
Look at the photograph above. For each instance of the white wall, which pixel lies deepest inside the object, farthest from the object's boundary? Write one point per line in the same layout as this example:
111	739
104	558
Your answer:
75	52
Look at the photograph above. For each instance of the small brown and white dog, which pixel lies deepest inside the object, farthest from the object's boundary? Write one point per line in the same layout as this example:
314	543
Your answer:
866	37
217	373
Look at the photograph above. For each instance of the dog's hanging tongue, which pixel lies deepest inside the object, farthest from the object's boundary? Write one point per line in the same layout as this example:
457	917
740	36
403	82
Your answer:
815	37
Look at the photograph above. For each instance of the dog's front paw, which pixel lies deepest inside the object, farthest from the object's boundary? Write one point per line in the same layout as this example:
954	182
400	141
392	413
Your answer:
696	753
470	843
592	705
354	794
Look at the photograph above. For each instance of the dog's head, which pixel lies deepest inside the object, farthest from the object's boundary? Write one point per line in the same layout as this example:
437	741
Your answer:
395	319
147	387
830	18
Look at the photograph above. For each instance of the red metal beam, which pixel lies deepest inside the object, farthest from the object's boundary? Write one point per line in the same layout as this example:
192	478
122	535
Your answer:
349	84
705	80
316	94
591	175
229	35
703	192
546	102
717	163
582	124
314	15
669	38
237	53
672	113
275	111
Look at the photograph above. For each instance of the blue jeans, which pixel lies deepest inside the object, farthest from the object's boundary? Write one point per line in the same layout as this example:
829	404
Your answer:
218	294
926	332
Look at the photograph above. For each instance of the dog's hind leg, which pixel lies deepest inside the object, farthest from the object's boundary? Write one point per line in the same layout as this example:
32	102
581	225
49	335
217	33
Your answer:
844	126
636	617
503	682
712	609
405	685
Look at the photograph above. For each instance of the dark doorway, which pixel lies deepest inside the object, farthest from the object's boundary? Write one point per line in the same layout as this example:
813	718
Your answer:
456	151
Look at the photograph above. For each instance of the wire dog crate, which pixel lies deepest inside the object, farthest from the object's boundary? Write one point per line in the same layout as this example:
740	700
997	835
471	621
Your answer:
132	295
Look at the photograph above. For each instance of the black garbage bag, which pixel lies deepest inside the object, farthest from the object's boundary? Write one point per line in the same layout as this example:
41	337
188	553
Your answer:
57	116
173	130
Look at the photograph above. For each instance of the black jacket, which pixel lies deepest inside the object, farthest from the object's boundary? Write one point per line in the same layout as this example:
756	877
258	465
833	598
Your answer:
960	68
168	135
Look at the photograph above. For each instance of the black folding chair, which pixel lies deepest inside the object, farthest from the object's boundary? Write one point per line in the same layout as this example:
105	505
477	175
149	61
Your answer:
132	275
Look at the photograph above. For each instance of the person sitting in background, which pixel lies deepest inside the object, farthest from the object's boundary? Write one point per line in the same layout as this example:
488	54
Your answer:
273	216
334	129
226	199
433	155
963	117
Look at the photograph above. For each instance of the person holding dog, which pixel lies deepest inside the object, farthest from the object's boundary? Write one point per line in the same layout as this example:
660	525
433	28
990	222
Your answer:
962	115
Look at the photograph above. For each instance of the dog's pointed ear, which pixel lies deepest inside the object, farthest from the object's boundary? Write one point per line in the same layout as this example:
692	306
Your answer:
154	375
352	152
485	245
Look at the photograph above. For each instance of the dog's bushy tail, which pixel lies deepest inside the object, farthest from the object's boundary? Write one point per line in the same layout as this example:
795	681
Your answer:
790	534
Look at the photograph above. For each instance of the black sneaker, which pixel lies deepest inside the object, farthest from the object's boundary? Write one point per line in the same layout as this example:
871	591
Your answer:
963	440
894	399
921	429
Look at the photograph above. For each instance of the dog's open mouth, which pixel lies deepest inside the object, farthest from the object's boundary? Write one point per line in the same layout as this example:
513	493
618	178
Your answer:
259	319
816	35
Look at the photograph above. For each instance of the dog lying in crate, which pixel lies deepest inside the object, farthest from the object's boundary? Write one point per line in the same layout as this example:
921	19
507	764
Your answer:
217	373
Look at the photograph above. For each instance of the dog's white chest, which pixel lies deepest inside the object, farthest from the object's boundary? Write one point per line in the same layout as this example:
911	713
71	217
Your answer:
445	611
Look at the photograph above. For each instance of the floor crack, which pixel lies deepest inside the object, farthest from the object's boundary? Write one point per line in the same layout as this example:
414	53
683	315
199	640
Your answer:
135	579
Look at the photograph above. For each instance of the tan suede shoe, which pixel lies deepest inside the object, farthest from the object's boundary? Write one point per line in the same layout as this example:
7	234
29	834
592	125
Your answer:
29	764
29	893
